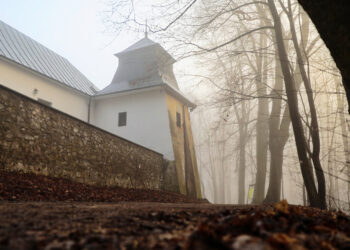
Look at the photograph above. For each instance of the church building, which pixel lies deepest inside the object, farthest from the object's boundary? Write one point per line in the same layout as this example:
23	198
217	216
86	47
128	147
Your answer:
142	104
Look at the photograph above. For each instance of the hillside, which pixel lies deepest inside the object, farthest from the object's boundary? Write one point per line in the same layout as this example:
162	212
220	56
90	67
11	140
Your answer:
38	212
16	186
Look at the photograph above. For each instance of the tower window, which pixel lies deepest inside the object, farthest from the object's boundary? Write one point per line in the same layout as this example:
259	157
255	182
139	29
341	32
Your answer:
122	119
178	119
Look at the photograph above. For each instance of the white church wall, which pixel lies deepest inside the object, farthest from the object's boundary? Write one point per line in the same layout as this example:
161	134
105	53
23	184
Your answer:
25	82
147	119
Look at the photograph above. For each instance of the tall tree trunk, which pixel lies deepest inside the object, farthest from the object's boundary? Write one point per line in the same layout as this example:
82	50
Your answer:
262	128
345	136
314	129
241	170
275	145
279	127
242	160
331	19
277	142
274	191
336	181
330	160
299	136
278	134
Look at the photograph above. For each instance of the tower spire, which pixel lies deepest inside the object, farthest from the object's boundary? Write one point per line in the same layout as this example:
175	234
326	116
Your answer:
146	31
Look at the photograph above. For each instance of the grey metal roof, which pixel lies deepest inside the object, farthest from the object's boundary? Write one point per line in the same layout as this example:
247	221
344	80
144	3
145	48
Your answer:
125	86
114	89
17	47
144	65
145	42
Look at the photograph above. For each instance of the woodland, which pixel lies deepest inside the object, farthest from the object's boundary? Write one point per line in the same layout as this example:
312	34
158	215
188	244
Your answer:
271	129
271	121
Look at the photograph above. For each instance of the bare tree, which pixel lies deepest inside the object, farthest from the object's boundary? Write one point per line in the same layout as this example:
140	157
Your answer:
329	17
209	28
317	199
345	131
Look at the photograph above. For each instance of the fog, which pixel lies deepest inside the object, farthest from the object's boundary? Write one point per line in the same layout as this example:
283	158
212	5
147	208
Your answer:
253	94
271	120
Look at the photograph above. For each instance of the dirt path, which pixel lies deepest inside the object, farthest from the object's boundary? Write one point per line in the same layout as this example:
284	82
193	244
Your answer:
39	212
16	186
133	225
74	225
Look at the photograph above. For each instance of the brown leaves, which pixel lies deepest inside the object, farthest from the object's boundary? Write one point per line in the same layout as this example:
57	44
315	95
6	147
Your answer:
282	207
108	226
247	242
282	240
17	186
281	226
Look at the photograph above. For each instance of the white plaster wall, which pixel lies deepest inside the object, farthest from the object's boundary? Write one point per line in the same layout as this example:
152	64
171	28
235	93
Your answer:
25	81
147	119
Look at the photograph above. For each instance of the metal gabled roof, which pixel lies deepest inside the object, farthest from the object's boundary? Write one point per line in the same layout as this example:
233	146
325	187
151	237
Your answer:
19	48
143	43
142	65
111	90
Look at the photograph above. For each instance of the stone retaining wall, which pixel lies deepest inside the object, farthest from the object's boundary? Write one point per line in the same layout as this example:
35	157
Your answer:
40	139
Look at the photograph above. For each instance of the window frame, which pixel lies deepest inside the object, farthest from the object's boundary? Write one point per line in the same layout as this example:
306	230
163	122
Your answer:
178	119
122	119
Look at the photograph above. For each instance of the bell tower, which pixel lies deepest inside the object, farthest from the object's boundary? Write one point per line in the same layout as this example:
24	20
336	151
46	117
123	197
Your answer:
144	104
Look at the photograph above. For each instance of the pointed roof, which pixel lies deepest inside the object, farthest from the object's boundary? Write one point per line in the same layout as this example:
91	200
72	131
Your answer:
23	50
144	65
143	43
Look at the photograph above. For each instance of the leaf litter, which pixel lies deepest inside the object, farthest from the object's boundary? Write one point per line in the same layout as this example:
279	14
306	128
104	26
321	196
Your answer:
88	217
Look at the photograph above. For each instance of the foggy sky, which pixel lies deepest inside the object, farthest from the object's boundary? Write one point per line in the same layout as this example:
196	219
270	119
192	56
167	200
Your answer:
73	29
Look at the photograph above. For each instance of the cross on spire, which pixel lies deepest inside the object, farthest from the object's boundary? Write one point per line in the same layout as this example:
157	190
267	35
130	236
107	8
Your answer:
146	30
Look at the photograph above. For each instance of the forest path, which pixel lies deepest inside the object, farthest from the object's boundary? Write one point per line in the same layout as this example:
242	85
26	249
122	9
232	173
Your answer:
98	225
146	225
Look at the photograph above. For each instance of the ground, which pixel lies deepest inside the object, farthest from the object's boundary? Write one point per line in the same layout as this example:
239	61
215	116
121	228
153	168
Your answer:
16	186
73	224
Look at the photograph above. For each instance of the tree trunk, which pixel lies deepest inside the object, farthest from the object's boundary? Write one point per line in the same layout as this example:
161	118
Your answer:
299	136
331	19
241	169
276	149
262	128
314	129
274	191
279	127
345	136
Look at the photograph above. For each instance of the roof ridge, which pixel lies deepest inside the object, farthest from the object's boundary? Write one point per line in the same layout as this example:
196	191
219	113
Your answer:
140	44
33	40
32	54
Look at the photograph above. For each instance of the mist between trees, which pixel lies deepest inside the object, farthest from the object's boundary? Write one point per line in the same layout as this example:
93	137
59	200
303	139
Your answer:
271	121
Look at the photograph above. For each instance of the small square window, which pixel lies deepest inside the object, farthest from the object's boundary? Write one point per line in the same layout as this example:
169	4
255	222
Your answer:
178	119
122	119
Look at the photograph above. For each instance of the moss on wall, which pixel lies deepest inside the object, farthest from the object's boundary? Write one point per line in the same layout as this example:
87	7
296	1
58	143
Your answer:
192	158
183	146
170	182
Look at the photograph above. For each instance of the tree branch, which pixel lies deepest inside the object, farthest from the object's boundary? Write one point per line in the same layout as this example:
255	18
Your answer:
231	41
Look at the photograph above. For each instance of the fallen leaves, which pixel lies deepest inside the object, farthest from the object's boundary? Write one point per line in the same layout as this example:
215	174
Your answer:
247	242
79	225
281	239
282	207
280	226
16	186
